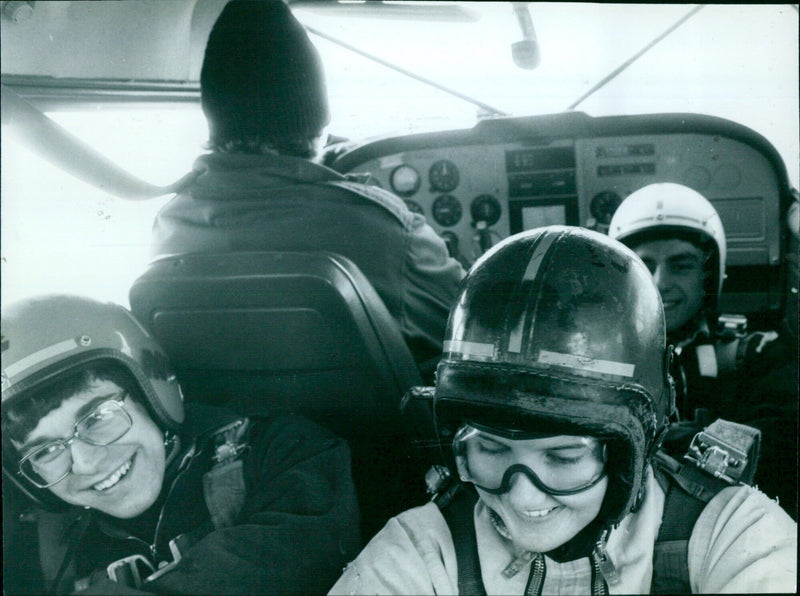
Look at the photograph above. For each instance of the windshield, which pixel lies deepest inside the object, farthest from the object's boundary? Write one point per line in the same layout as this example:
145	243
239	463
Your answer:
734	61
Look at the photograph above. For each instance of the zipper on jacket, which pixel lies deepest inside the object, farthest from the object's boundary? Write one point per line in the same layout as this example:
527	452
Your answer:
599	587
603	570
536	577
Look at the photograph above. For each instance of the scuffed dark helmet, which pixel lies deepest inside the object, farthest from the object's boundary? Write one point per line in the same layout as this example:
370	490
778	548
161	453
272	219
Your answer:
47	336
561	330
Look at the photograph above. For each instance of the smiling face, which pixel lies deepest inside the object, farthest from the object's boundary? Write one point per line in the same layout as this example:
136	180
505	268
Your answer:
121	479
678	269
535	519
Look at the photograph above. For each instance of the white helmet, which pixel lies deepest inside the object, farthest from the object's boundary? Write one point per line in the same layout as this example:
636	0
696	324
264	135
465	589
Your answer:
668	209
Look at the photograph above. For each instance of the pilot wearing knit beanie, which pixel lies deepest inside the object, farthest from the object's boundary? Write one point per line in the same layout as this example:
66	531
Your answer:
262	79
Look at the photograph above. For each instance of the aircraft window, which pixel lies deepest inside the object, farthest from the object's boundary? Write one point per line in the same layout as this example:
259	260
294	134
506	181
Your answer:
575	54
52	223
63	235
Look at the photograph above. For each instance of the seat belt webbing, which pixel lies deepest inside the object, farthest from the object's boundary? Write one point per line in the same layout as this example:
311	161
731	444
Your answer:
459	517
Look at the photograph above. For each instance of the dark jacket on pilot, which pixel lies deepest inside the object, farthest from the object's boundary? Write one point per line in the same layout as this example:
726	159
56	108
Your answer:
264	96
242	202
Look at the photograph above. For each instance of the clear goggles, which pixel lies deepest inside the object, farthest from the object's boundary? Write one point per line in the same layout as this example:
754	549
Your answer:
490	459
50	463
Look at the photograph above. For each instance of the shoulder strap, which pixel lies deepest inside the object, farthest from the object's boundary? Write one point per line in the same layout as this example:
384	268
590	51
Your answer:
71	533
224	487
682	507
224	491
714	452
458	514
729	353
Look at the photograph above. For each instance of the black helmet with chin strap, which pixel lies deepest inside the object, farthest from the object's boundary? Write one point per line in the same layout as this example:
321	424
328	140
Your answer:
561	330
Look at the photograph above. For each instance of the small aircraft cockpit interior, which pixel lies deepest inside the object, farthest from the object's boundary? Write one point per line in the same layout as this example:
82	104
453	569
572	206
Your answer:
486	119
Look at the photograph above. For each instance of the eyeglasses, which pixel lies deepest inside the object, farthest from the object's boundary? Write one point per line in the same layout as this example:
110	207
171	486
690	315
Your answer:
50	463
560	470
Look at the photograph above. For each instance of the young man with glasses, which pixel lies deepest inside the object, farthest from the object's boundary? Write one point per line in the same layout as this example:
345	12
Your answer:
551	400
140	493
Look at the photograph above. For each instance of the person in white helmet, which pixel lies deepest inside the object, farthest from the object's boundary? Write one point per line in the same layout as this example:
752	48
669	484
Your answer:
134	491
551	401
678	234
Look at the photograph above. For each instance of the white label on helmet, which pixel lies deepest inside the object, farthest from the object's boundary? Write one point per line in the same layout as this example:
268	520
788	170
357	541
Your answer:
538	257
531	271
515	337
469	348
31	360
609	367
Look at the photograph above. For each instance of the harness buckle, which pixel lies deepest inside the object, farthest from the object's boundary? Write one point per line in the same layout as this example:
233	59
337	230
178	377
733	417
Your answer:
437	479
731	325
724	450
135	570
167	566
130	570
230	441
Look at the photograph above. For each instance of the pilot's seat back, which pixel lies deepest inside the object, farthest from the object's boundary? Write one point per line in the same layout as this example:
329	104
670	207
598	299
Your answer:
280	332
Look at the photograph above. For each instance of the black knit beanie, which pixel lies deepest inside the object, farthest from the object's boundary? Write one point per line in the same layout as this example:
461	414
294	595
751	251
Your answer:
261	77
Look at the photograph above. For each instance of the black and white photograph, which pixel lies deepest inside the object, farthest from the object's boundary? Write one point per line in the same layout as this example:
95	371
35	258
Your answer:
398	297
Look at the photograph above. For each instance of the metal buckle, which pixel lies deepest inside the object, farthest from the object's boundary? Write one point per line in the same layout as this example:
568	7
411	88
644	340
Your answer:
437	478
228	441
127	571
729	325
719	458
135	570
164	566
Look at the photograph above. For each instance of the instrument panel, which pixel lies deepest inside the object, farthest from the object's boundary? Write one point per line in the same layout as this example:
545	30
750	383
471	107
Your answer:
507	175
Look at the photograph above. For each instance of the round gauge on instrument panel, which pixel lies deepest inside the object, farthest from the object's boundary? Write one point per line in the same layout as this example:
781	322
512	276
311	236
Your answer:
446	210
603	206
443	176
405	180
414	207
485	208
